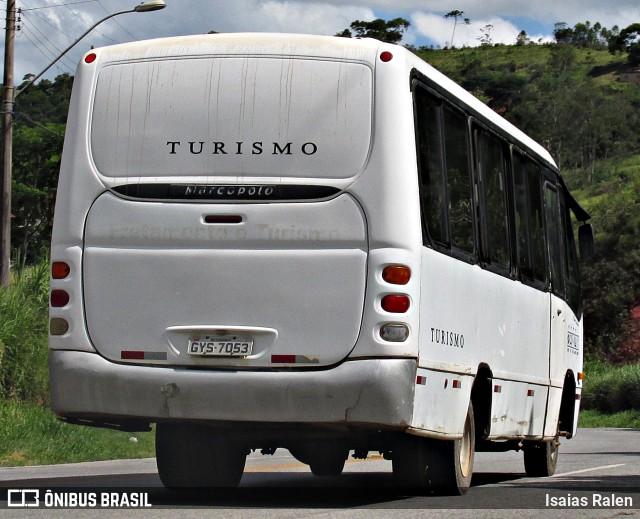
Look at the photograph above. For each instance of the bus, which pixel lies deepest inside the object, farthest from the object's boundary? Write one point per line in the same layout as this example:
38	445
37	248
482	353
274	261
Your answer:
313	243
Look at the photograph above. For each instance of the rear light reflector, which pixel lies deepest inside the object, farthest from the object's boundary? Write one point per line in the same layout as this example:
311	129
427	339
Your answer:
386	56
395	303
132	355
60	270
394	332
294	359
59	298
283	359
396	274
143	355
58	326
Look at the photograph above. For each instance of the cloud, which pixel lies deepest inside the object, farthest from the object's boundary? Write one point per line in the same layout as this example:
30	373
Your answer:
313	18
46	31
440	30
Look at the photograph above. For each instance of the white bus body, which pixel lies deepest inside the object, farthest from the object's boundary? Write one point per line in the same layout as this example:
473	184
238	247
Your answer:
227	209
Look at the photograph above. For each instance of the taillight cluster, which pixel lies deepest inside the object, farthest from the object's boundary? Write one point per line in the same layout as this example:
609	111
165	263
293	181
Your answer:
59	298
397	303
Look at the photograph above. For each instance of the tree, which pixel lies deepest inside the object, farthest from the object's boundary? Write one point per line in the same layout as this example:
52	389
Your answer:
627	41
485	36
562	33
40	117
455	15
36	158
388	31
522	38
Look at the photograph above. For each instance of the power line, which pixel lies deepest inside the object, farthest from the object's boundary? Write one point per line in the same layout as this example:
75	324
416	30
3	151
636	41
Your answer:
74	13
42	47
116	21
58	5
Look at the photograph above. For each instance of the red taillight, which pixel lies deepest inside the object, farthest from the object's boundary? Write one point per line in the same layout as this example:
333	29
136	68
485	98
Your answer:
60	270
59	298
395	303
396	274
386	56
90	58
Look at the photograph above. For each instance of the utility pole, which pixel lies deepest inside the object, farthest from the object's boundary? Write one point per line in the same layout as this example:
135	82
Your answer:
7	148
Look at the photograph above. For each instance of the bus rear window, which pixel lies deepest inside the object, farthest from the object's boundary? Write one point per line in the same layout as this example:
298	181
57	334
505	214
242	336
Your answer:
231	116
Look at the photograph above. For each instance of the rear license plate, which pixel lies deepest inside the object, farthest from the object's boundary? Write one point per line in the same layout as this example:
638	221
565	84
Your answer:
220	346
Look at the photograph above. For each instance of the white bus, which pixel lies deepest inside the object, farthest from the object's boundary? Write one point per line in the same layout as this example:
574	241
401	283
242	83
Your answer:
314	243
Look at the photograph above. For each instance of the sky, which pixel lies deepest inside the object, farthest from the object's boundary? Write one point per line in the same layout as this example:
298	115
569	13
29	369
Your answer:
47	27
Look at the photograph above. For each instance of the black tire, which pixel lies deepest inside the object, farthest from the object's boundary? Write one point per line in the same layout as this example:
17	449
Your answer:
541	458
436	466
331	464
195	456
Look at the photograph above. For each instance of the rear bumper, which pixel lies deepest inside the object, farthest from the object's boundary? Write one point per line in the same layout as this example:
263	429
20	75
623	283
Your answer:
376	392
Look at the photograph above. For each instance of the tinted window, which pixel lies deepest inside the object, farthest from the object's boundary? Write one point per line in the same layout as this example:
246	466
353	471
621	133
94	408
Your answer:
554	238
528	219
491	168
574	296
458	180
430	170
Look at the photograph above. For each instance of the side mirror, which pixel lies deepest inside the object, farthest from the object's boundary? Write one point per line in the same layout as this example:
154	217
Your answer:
586	243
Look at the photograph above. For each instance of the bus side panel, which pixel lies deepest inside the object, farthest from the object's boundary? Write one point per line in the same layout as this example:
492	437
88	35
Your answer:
471	317
517	410
441	402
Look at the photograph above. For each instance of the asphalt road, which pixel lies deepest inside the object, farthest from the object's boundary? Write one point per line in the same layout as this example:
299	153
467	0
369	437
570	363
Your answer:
595	468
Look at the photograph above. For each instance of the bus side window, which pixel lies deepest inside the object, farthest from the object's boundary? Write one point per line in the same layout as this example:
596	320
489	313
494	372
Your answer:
574	296
458	180
553	226
430	168
534	181
491	168
528	223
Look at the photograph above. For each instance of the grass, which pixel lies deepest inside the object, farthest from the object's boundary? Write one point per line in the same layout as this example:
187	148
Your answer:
613	390
30	434
625	419
23	335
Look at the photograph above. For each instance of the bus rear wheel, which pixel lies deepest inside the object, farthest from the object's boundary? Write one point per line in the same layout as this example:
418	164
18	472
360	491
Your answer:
541	458
436	466
196	456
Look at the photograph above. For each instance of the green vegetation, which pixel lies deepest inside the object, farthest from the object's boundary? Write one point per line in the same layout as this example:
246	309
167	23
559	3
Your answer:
23	335
579	97
31	435
29	431
610	389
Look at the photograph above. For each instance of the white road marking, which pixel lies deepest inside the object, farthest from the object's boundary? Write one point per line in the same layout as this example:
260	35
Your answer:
589	470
